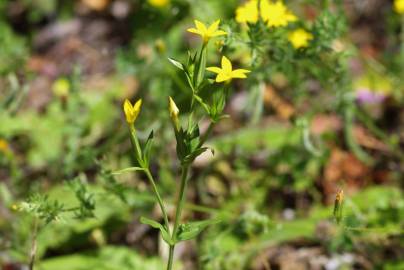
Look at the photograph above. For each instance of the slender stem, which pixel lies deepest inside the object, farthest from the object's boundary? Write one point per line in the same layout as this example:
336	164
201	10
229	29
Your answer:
180	206
33	245
181	198
191	114
143	164
135	144
207	134
170	258
159	200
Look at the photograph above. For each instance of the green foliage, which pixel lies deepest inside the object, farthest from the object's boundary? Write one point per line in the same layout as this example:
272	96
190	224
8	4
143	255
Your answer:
107	258
85	198
41	207
13	49
191	230
266	186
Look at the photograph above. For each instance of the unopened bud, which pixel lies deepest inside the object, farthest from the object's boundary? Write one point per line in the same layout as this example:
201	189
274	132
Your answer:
131	111
174	111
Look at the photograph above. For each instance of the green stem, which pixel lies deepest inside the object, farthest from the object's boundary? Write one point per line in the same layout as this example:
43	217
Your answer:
207	134
159	200
191	114
170	258
33	245
135	143
180	206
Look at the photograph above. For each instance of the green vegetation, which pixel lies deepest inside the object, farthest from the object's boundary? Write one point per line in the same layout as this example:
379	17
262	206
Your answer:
214	135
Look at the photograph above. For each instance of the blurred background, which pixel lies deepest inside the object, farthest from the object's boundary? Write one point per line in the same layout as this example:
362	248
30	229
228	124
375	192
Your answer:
307	123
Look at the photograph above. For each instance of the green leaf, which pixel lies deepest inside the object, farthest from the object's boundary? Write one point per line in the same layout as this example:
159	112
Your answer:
202	103
200	68
166	236
180	137
191	230
189	158
126	170
176	63
193	132
147	149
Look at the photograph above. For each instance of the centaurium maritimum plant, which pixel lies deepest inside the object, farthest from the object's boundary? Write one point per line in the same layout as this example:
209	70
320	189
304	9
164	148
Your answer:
190	143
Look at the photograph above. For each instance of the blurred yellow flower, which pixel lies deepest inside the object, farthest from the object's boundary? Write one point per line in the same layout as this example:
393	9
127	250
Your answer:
207	32
174	111
131	111
276	14
248	12
399	6
159	3
4	146
226	72
15	207
61	87
300	38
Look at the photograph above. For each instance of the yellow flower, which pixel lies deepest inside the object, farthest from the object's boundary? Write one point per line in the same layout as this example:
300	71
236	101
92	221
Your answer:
207	32
15	207
4	147
248	12
131	111
159	3
61	87
174	111
399	6
276	14
300	38
226	73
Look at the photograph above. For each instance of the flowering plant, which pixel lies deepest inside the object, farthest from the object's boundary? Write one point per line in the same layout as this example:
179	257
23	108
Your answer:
190	141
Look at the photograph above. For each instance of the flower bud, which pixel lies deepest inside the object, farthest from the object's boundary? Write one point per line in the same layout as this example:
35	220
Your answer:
174	111
131	111
339	198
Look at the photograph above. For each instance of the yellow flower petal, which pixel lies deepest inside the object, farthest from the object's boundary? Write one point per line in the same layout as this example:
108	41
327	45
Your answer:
127	107
200	26
207	33
221	77
214	69
195	31
226	65
137	105
218	33
276	14
399	6
239	73
226	73
214	26
131	112
299	38
248	12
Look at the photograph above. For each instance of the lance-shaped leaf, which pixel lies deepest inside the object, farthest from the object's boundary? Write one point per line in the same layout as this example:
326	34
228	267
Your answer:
147	149
176	63
191	230
126	170
166	236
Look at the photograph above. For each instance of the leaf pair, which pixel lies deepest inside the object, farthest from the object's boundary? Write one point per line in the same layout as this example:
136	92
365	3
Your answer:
142	155
185	232
164	233
188	147
194	69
